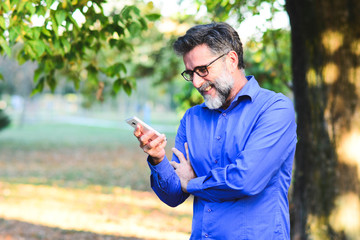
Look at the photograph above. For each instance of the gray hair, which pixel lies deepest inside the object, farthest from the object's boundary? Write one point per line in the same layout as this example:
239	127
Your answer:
219	37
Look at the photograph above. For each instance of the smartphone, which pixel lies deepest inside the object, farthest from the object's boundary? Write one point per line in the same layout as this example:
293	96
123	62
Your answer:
134	121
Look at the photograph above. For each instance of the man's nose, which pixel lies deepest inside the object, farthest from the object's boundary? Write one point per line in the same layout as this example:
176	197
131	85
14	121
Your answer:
197	81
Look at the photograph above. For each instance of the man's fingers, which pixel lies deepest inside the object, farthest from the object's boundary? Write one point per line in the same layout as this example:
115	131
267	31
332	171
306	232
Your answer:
145	138
174	164
137	131
157	141
187	152
179	155
163	144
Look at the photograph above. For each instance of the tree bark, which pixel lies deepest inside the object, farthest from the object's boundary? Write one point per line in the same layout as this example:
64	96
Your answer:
326	81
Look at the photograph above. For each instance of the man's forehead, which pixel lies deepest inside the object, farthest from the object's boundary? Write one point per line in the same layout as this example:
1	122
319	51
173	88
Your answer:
198	56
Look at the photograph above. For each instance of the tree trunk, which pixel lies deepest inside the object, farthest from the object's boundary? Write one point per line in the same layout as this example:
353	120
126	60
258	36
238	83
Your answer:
326	81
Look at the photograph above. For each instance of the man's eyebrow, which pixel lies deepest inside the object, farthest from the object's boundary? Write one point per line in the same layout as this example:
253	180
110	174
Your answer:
196	67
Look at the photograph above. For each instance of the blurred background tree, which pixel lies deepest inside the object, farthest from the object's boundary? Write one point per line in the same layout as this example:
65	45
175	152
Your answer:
69	37
80	48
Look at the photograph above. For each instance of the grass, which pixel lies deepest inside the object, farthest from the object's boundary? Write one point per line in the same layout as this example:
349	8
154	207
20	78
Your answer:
58	181
75	156
51	136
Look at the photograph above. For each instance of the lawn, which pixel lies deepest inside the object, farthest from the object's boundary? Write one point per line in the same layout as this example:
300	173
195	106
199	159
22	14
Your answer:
63	181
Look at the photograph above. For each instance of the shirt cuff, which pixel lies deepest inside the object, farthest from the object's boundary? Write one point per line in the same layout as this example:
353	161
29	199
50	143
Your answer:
163	170
195	185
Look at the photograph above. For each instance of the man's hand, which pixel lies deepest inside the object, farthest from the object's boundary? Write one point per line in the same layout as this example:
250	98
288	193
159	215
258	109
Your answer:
183	169
155	148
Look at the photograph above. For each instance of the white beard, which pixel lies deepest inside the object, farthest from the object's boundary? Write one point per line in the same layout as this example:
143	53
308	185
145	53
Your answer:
223	86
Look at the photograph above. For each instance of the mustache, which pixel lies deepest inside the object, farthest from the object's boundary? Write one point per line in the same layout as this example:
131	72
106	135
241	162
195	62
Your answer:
202	88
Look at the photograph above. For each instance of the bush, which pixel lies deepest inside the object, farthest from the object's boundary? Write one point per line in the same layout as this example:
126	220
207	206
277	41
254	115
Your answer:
4	120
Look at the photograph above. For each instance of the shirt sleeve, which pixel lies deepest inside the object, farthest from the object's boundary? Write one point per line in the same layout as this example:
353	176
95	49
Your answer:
165	182
271	142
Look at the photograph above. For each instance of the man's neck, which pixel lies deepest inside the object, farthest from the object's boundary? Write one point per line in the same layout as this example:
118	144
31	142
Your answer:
239	82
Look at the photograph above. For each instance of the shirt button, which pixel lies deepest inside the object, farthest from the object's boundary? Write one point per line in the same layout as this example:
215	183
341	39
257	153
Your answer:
224	114
206	235
216	161
209	210
218	137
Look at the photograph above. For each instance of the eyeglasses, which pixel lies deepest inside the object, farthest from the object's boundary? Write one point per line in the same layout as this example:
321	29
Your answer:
201	71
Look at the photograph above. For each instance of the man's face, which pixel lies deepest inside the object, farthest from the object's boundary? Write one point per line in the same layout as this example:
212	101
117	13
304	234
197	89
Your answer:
217	85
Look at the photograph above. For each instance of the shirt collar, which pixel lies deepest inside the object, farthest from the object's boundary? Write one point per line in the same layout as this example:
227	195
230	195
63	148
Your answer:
250	90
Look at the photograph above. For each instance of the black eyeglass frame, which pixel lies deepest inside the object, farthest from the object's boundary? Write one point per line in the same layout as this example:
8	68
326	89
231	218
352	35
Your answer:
197	70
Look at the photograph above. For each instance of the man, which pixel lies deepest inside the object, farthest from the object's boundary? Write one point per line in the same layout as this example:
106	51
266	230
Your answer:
239	145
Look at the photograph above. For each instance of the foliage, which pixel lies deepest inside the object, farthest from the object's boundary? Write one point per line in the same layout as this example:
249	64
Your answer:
269	60
156	62
188	97
64	44
222	10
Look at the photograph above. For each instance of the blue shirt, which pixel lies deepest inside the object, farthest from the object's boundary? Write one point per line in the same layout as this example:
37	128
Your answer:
243	159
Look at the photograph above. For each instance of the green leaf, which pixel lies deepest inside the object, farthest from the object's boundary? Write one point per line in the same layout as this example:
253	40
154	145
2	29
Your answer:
112	42
38	47
54	25
117	85
126	12
74	22
5	46
29	6
37	73
121	67
1	77
5	6
116	18
58	61
50	80
136	10
14	32
66	44
2	23
19	7
46	32
127	87
76	82
40	10
29	51
15	2
60	17
33	33
134	29
49	3
92	73
122	45
120	30
115	69
39	86
143	23
153	16
48	66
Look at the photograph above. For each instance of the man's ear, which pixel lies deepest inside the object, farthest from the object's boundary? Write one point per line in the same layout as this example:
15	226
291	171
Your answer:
232	61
